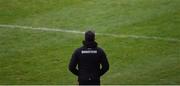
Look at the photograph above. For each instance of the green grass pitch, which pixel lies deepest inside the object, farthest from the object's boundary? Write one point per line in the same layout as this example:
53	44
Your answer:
42	57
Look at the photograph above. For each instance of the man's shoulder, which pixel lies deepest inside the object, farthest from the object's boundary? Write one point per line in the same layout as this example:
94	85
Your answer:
79	49
100	49
83	48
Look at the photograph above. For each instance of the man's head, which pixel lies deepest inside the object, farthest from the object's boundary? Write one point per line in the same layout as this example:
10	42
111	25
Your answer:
89	36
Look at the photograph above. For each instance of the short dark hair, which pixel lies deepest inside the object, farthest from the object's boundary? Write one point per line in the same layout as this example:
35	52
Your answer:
89	36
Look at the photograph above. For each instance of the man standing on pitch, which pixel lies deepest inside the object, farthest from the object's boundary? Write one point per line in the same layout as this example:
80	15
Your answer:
89	62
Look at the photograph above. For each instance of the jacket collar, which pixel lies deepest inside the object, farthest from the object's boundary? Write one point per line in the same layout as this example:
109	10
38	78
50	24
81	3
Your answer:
90	44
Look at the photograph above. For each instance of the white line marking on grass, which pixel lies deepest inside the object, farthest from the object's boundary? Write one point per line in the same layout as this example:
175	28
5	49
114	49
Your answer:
80	32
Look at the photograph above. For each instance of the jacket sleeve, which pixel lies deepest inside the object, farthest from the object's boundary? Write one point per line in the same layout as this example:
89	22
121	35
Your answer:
104	62
73	63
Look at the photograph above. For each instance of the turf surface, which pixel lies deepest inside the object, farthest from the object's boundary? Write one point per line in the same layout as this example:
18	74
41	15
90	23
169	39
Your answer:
42	57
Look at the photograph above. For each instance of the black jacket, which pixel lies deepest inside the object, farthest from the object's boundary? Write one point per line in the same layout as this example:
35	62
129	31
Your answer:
86	61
